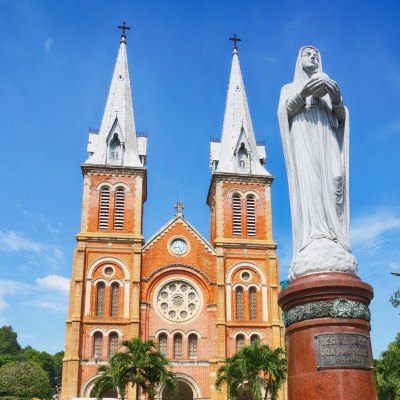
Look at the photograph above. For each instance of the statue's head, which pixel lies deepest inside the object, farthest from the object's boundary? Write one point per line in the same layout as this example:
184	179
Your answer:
310	59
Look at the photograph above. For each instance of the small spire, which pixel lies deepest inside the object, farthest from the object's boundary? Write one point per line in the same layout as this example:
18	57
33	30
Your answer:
238	151
235	39
124	27
179	207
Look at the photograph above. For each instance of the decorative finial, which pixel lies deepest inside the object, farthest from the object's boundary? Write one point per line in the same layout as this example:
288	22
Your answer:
179	207
235	39
124	27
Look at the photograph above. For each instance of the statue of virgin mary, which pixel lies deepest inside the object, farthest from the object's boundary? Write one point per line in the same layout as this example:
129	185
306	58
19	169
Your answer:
314	125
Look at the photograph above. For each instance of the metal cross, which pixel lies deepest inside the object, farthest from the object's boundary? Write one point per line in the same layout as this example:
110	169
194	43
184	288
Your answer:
124	28
235	39
179	207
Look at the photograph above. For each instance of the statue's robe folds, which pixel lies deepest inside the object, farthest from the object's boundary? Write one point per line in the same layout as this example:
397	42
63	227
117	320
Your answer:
315	137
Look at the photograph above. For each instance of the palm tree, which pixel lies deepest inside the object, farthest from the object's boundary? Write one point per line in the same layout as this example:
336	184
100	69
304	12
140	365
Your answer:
252	370
138	364
112	377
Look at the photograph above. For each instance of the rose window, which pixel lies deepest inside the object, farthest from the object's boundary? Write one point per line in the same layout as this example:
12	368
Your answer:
178	301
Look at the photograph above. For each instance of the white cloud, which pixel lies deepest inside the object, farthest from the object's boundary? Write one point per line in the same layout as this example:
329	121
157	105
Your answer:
295	23
367	229
54	282
14	242
47	44
269	59
392	129
11	288
48	305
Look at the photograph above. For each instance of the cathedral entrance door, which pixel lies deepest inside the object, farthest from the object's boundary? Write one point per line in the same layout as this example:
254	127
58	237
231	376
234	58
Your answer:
184	392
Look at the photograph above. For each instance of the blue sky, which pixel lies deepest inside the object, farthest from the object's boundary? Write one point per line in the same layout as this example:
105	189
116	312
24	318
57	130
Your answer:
57	62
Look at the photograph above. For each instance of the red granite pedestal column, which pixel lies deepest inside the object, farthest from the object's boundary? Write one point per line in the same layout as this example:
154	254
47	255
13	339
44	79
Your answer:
327	334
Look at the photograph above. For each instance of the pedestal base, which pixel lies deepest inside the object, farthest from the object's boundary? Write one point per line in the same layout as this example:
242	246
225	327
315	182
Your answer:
327	334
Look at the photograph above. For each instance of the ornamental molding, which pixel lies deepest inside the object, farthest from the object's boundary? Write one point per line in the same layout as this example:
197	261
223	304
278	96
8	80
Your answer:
169	266
339	308
189	363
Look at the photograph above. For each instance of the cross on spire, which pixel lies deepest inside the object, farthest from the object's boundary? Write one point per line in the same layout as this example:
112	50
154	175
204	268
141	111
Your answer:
235	39
179	207
124	27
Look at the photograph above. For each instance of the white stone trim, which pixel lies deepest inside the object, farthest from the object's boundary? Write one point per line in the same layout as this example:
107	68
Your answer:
229	288
189	381
114	260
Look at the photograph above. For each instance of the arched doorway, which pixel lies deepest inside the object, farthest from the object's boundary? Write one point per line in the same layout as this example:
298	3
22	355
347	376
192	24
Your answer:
184	392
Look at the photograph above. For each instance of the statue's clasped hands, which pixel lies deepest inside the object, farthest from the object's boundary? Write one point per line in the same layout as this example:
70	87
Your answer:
318	86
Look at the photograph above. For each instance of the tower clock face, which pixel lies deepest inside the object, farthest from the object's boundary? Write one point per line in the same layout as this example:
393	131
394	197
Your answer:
179	246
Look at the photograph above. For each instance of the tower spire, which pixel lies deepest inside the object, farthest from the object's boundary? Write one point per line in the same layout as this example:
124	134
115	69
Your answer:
117	142
238	151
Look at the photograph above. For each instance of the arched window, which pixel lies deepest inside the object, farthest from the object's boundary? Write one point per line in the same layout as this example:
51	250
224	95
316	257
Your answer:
237	214
192	345
239	342
253	338
242	156
114	299
162	344
113	343
239	303
251	215
115	148
104	207
97	345
119	208
253	303
178	345
101	288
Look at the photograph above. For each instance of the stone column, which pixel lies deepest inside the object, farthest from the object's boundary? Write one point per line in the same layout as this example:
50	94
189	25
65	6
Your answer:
327	333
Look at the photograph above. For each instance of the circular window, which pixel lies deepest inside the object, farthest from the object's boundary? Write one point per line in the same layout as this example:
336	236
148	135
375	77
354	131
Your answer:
178	301
246	276
108	270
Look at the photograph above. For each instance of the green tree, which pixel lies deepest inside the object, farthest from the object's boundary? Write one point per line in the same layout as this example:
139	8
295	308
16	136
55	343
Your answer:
387	372
8	341
24	380
253	370
395	298
140	365
114	376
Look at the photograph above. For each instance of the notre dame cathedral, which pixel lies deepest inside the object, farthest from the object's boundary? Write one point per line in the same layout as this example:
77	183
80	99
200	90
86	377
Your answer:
199	299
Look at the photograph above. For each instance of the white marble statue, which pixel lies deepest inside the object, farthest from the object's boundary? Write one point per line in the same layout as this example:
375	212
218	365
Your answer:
314	126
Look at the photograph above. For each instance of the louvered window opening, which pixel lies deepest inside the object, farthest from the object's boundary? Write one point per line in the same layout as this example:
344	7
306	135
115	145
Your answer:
119	208
114	343
192	346
239	342
253	338
253	303
114	299
97	345
101	288
177	346
162	344
104	207
251	216
239	303
237	214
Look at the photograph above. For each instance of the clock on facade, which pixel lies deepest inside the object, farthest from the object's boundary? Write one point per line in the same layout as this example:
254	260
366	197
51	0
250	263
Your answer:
178	246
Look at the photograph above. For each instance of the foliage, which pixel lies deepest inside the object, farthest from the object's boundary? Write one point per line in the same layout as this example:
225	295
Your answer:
139	364
395	298
112	377
24	380
11	351
51	364
252	370
8	341
387	372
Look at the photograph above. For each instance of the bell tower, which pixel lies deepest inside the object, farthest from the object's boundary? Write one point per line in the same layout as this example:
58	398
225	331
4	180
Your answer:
241	230
105	284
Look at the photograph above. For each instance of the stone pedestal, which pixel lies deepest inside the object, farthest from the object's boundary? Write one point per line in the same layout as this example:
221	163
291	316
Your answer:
327	333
